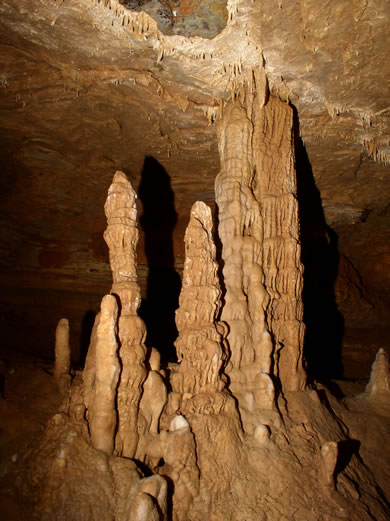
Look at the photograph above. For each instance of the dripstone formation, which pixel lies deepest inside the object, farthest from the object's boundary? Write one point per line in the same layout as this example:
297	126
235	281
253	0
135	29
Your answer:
232	430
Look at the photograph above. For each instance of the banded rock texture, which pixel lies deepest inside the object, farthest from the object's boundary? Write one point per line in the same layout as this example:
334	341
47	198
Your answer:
259	231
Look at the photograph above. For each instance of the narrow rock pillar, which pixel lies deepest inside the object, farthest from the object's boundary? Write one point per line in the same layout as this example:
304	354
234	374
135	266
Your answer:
102	411
121	237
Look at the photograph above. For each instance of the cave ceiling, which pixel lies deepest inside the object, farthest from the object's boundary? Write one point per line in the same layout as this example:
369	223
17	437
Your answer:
89	87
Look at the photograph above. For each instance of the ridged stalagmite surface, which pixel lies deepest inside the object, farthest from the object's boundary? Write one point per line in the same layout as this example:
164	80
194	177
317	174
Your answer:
200	346
121	237
199	384
258	228
276	191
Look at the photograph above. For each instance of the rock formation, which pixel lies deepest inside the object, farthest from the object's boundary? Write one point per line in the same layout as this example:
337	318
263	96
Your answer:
230	430
62	355
258	228
121	237
102	409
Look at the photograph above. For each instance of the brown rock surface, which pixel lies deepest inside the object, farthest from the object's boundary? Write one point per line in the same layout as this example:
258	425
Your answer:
89	87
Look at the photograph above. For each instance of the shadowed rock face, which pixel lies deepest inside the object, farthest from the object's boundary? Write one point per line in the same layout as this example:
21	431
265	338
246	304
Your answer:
88	87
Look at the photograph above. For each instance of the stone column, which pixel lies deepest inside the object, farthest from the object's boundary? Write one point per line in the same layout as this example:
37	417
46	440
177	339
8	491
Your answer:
258	228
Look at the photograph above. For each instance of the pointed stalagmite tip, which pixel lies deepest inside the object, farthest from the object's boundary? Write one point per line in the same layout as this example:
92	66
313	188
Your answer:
120	177
380	374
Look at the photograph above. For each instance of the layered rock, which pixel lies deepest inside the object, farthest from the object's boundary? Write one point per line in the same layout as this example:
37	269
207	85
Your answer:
200	346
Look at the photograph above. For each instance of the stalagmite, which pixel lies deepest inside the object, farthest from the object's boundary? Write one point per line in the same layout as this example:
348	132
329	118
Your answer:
200	345
62	356
121	237
102	411
276	191
199	383
329	455
258	228
380	375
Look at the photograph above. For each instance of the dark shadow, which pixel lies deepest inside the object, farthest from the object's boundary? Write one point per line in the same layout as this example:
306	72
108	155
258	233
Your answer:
158	221
320	257
346	449
85	336
171	489
218	257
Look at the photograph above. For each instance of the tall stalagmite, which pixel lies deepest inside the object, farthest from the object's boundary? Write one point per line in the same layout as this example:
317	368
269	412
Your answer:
258	228
121	237
199	383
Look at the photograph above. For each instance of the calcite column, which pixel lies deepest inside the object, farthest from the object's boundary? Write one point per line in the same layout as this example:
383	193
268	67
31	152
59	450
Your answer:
258	228
276	190
121	237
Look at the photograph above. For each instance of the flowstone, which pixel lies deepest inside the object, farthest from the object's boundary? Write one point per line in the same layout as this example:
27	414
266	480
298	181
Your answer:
231	431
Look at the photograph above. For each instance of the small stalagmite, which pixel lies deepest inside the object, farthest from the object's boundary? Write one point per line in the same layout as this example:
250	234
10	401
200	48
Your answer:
380	375
329	456
102	410
62	356
121	237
